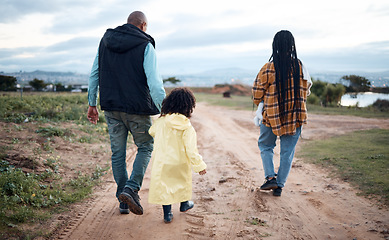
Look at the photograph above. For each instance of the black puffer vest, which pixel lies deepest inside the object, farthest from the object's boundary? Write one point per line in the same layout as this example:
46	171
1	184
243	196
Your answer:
122	80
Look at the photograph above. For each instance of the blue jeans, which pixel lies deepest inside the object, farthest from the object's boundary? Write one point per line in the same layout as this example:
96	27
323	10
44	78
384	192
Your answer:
119	124
267	142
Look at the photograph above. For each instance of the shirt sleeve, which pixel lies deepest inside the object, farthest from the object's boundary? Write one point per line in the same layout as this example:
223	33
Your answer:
154	80
93	84
308	78
260	85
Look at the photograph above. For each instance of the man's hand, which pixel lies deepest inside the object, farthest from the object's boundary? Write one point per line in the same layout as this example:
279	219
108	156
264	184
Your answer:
93	114
203	172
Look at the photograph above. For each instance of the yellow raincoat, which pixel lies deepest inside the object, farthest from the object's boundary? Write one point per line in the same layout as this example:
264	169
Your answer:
175	151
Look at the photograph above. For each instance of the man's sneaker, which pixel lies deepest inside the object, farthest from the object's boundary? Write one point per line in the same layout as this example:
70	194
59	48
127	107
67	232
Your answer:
269	184
277	192
123	208
185	206
131	197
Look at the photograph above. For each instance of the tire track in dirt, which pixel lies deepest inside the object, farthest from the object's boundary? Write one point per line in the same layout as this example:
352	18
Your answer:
230	152
228	204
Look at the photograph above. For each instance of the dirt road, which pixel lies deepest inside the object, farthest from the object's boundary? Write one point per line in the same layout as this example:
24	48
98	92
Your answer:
228	204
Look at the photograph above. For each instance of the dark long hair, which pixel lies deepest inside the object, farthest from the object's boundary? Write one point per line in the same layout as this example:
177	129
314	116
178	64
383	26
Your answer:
180	100
287	69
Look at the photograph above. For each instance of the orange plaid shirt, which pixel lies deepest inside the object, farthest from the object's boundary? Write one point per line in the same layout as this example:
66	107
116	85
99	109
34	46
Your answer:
264	89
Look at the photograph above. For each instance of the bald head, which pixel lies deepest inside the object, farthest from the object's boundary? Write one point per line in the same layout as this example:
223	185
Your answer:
138	19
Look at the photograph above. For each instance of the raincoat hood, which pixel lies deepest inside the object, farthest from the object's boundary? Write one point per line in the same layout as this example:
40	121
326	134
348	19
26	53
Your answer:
125	38
177	121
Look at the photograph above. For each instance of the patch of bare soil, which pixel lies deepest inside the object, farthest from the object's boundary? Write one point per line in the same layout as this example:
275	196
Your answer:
26	148
233	89
228	204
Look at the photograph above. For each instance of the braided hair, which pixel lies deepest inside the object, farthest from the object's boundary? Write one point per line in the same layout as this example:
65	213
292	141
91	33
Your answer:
287	69
180	100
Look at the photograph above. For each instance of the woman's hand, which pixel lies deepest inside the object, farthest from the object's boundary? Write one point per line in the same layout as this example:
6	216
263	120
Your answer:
203	172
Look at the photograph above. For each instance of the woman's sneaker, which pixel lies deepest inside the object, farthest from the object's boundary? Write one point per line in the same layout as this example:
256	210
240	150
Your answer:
269	184
277	192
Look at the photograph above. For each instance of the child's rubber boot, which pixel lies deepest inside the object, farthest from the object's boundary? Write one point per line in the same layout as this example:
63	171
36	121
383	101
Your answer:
167	213
185	206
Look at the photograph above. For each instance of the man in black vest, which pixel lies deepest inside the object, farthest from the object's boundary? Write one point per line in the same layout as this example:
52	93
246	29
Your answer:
131	89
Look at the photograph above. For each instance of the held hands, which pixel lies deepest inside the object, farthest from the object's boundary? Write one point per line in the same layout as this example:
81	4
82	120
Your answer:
203	172
93	114
258	115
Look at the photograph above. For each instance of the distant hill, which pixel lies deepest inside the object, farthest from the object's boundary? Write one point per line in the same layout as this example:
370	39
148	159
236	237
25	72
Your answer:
66	78
247	77
218	76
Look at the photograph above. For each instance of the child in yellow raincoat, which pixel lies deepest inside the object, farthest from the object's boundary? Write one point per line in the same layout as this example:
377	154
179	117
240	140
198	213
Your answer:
175	152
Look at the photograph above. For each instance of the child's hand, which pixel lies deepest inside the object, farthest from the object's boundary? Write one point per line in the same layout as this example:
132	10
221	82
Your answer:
203	172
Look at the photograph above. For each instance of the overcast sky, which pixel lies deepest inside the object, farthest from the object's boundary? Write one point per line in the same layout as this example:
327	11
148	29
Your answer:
197	35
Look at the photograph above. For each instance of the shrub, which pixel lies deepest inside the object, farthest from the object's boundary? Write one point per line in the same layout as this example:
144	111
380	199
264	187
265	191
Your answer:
313	99
382	105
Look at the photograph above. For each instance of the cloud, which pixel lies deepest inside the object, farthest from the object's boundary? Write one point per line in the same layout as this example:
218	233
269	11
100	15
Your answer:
14	10
74	44
373	56
73	21
76	54
189	37
185	38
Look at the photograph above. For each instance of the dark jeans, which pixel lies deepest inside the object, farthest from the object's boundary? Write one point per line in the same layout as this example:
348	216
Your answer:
119	124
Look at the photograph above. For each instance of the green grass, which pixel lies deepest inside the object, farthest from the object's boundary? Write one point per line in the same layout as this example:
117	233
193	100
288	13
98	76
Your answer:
30	197
235	102
361	158
367	112
44	107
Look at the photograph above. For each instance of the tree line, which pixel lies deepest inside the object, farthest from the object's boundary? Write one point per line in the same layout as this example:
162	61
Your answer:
9	83
329	94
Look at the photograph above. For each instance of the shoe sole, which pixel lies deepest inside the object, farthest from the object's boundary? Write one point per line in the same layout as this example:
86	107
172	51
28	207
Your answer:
269	187
124	211
168	221
134	208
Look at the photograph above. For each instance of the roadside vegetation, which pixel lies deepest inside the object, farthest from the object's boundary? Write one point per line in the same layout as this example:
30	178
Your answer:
361	158
43	165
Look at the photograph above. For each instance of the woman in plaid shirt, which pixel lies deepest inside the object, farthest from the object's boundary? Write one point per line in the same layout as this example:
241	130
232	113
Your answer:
280	90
